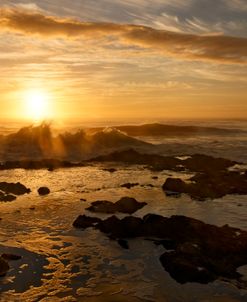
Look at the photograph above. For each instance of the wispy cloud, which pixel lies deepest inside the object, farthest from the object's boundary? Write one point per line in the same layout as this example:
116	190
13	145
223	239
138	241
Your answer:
224	49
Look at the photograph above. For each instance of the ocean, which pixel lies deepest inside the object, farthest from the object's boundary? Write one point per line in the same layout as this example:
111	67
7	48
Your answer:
61	263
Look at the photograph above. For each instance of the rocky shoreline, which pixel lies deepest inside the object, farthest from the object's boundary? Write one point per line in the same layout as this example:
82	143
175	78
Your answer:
194	251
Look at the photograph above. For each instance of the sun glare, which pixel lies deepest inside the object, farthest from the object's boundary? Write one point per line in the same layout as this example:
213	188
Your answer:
37	105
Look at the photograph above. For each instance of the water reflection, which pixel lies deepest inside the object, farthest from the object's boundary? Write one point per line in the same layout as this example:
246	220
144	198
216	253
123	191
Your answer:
60	263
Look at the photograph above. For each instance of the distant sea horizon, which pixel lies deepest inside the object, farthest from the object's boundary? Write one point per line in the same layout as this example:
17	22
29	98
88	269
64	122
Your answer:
8	126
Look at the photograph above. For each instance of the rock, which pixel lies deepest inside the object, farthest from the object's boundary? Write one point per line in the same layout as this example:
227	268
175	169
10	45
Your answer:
84	222
201	252
10	257
128	227
123	243
4	267
172	194
49	164
185	270
155	177
14	188
129	185
110	170
126	205
129	205
208	185
7	198
43	191
102	206
168	244
194	163
83	199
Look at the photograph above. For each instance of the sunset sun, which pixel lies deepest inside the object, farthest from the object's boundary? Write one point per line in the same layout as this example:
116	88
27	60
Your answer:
37	105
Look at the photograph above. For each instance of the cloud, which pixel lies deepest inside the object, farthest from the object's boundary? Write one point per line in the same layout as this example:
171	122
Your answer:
219	48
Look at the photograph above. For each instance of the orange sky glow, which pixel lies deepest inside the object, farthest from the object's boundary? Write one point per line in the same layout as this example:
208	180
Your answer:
58	64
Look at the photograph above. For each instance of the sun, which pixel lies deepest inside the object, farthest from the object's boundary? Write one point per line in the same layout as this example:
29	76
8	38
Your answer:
37	105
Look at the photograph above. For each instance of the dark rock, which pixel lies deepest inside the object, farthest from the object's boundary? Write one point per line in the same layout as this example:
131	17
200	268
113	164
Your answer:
102	206
123	243
209	185
129	205
84	222
4	267
168	244
184	270
43	191
129	185
49	164
195	163
124	205
132	157
14	188
7	198
83	199
172	194
126	228
110	170
10	257
155	177
202	252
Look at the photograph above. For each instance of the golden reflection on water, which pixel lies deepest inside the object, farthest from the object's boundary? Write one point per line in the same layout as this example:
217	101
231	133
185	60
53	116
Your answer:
64	264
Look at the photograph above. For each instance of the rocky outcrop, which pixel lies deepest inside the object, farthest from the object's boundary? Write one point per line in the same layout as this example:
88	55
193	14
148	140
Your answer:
194	163
209	185
199	252
50	164
126	205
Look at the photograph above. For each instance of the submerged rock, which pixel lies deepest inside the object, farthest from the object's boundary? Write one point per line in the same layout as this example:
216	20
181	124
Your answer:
201	252
43	191
126	205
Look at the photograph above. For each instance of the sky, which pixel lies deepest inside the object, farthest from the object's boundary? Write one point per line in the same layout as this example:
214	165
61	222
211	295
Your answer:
123	59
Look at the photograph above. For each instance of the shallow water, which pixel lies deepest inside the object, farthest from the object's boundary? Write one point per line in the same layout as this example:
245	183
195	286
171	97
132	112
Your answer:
61	263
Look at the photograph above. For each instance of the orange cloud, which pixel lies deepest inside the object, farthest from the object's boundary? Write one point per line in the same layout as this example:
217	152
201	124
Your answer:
218	48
